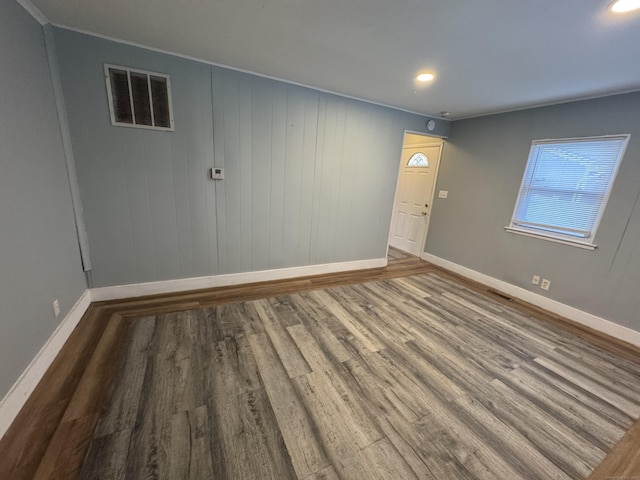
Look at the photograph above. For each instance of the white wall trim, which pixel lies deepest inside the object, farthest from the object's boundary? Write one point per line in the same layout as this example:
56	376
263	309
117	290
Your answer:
197	283
33	11
65	134
579	316
15	399
429	134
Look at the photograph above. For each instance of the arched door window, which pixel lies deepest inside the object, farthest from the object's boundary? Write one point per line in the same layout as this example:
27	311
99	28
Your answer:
418	160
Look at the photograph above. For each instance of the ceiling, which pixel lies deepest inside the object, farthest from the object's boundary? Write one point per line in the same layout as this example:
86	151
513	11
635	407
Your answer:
488	56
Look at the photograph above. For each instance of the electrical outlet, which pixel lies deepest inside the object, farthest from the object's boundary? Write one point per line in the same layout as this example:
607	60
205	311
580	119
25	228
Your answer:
443	194
536	280
56	308
545	284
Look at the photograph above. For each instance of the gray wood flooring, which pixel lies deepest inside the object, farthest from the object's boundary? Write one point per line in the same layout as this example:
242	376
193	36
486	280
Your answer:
411	378
397	254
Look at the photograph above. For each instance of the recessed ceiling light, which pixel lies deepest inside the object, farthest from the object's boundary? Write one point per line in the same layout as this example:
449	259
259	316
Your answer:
624	6
425	77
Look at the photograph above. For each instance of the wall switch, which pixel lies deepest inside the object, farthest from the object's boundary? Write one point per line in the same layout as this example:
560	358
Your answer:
443	194
545	284
536	280
56	308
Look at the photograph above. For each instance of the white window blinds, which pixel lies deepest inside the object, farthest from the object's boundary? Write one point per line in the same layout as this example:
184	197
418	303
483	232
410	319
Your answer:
566	186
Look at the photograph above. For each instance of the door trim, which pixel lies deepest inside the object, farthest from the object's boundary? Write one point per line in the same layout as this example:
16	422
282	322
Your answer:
436	141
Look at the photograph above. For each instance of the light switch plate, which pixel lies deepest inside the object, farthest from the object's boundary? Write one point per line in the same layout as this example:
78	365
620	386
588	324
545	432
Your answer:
443	194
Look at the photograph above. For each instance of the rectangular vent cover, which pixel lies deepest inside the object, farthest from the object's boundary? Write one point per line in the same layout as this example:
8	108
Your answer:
138	98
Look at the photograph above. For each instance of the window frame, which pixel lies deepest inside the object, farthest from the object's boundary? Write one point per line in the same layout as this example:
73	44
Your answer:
110	97
588	242
417	154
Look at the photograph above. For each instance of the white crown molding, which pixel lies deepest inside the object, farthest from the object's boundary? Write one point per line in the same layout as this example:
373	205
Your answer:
249	72
198	283
33	11
15	399
579	316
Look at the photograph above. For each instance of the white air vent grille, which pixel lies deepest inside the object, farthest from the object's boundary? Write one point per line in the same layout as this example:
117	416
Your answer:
138	98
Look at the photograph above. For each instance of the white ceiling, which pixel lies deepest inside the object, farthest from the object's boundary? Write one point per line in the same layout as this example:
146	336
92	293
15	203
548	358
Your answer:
488	55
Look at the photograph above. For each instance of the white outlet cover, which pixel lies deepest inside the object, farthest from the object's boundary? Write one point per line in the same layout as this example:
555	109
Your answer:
443	194
536	280
545	284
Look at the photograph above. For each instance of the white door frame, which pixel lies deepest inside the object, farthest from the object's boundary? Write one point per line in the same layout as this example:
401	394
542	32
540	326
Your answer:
435	141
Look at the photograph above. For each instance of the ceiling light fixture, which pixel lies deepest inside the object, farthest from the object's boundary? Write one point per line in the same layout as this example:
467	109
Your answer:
624	6
425	77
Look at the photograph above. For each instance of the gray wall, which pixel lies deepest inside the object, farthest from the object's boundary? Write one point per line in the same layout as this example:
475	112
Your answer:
39	258
310	177
482	167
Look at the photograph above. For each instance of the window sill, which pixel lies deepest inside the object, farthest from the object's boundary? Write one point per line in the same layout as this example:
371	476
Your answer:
573	243
146	127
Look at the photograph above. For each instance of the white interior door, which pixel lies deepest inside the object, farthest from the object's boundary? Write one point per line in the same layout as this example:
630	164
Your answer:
412	205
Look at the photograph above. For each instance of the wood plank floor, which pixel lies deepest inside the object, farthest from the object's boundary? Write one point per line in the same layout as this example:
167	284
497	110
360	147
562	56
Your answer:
413	378
327	377
397	254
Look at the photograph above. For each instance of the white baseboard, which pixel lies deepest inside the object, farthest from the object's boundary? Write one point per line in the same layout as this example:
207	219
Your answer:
197	283
579	316
15	399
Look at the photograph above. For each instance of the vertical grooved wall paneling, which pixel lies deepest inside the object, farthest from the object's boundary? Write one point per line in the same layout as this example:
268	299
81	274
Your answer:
261	149
309	176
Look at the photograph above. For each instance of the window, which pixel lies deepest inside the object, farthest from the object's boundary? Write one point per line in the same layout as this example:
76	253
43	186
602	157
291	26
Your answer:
418	160
565	188
138	98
